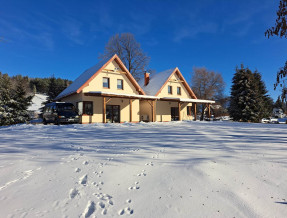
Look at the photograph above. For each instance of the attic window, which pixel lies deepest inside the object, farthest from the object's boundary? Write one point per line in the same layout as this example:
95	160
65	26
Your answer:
169	89
178	90
106	82
120	84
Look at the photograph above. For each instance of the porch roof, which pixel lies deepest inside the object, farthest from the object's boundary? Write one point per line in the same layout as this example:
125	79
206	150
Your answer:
120	95
188	100
147	97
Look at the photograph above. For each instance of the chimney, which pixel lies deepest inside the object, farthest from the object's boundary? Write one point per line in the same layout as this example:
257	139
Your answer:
146	78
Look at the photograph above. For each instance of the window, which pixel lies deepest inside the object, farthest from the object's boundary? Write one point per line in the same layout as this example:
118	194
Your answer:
88	107
169	89
189	111
120	84
106	82
178	90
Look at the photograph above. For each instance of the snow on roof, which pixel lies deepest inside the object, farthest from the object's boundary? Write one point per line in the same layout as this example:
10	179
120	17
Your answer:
190	100
156	81
37	102
84	77
123	94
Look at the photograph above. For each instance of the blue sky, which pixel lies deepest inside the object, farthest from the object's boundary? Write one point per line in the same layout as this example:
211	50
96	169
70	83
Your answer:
42	38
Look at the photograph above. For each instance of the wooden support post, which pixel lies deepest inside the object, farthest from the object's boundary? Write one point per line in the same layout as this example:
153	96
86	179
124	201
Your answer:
131	110
194	110
153	109
208	111
179	109
104	109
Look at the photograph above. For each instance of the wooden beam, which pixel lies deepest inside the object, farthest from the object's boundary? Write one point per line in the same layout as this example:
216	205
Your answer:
113	71
108	100
208	111
153	111
104	109
116	96
131	110
174	81
194	110
179	109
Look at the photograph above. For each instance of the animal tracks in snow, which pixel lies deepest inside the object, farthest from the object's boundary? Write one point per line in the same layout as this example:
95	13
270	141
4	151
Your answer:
127	210
149	164
90	209
73	193
84	179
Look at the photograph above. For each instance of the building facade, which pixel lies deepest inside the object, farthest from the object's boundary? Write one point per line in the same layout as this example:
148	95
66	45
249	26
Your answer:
108	92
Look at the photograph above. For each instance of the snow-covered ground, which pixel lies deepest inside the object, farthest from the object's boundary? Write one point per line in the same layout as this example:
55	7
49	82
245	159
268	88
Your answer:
176	169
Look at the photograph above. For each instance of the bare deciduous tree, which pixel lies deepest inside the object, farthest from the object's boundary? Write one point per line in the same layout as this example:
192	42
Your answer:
207	85
129	51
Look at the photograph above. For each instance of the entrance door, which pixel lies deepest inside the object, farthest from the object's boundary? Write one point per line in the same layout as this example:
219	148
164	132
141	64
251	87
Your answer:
113	113
174	113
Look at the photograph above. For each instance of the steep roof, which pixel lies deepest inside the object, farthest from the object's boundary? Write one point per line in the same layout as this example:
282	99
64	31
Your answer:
158	81
85	78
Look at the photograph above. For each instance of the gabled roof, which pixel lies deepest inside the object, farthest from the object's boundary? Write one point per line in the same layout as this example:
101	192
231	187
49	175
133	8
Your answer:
86	77
159	80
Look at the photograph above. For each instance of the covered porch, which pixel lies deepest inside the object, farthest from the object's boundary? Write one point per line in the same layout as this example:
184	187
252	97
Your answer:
119	108
190	105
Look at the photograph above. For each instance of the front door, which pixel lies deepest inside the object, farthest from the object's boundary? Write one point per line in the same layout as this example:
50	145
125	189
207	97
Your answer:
113	113
174	113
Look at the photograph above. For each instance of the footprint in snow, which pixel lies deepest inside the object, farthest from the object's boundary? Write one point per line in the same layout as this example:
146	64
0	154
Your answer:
83	179
73	193
104	212
77	170
101	204
85	163
90	209
134	188
127	210
141	174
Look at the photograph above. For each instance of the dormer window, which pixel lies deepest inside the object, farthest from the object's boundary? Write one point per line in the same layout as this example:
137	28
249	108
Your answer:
120	84
106	82
169	89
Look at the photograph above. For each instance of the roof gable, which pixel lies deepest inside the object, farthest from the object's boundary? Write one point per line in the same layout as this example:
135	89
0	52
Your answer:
87	76
158	81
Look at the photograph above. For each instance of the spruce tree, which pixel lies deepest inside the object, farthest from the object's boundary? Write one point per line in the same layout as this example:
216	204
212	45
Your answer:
52	89
6	101
264	101
21	103
249	100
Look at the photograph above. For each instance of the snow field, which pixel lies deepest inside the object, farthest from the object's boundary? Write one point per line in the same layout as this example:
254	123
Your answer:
176	169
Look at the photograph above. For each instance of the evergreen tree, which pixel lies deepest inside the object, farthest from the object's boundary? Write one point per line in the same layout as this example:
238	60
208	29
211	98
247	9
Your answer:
264	101
21	103
52	89
6	101
249	100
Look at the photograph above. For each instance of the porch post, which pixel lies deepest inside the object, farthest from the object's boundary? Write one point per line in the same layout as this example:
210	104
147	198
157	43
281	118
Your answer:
208	110
104	109
153	110
131	111
179	109
194	110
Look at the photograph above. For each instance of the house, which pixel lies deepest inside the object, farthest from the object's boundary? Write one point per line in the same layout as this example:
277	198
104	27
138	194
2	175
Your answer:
108	92
38	101
175	99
